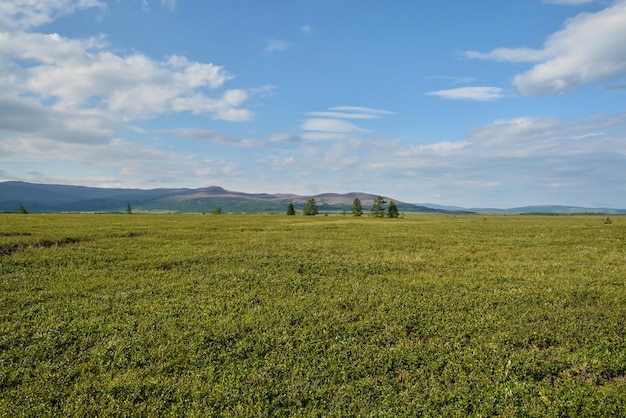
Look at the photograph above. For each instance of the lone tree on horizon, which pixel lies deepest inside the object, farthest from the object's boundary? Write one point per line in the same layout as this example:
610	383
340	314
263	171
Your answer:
392	210
310	208
357	207
378	211
22	210
129	208
290	209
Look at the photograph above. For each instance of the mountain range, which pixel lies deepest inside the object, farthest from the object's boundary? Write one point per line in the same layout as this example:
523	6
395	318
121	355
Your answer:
64	198
52	198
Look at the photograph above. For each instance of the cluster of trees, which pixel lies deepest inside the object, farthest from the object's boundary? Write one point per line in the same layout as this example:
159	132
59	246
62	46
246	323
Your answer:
377	211
309	209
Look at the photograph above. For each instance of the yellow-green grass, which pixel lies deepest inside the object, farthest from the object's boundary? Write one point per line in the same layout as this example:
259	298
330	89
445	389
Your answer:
241	315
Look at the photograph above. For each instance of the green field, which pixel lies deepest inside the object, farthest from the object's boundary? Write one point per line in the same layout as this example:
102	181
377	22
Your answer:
242	315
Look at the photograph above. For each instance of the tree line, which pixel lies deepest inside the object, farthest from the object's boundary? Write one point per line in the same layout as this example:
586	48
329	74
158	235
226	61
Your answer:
378	210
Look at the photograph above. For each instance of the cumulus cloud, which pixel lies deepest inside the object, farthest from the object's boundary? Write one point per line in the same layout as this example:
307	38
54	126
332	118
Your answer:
80	91
590	47
482	93
74	73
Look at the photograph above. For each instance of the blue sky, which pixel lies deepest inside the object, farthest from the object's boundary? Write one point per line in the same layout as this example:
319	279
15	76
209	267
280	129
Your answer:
478	104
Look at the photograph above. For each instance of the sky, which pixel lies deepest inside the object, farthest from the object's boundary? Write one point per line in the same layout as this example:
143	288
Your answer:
484	103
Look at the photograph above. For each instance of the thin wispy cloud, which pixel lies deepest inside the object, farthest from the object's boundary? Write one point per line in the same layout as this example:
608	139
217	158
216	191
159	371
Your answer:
361	109
334	123
481	94
289	137
345	115
213	136
569	2
330	125
276	45
170	4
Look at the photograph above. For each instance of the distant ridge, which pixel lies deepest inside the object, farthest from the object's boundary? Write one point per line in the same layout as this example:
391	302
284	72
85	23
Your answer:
552	210
53	198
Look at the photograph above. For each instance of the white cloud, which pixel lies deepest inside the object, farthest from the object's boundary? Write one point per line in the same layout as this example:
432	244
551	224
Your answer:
482	93
276	45
330	125
343	115
589	48
76	77
75	72
306	28
511	54
28	14
333	124
361	110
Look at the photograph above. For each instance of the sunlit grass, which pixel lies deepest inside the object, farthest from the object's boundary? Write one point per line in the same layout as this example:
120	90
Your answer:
324	316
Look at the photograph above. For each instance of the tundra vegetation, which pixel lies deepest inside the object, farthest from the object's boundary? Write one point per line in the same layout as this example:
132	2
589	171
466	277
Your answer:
249	315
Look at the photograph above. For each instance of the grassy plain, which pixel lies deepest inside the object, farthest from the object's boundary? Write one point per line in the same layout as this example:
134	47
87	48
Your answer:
159	315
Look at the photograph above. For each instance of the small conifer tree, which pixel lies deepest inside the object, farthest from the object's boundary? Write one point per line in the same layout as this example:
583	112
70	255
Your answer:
357	207
290	209
392	210
378	211
311	207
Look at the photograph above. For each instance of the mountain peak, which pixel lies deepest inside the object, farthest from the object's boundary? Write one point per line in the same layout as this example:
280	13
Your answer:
214	189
